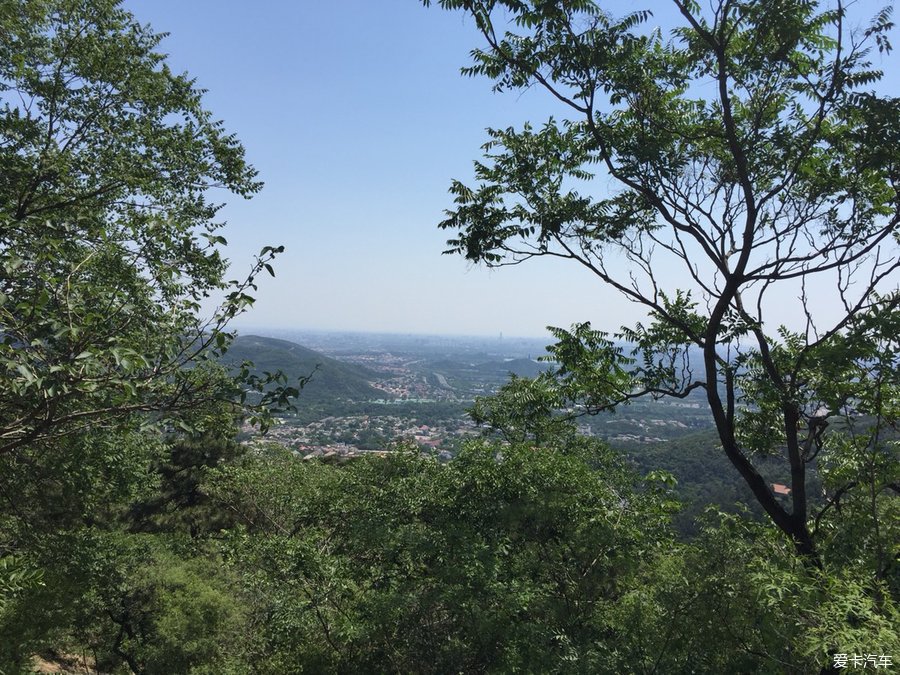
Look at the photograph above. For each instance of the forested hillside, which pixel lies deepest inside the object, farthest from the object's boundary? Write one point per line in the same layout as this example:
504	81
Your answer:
329	379
749	143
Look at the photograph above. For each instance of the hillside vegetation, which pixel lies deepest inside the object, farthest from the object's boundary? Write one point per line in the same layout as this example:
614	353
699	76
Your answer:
330	379
139	536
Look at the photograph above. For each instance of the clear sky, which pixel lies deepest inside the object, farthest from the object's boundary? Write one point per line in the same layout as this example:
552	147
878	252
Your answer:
356	116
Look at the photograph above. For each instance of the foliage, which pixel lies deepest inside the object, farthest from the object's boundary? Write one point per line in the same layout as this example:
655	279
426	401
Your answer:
108	248
135	529
750	149
178	501
107	244
509	556
525	409
129	600
763	601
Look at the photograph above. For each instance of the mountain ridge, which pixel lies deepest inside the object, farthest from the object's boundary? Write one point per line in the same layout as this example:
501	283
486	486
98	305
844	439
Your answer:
331	378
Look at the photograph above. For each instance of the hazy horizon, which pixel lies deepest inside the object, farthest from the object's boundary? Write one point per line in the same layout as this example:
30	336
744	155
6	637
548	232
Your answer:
357	118
274	331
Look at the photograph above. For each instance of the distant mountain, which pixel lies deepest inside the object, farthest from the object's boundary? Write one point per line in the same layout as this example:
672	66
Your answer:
520	367
495	370
331	380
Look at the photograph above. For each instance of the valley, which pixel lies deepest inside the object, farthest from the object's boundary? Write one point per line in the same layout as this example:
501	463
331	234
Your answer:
372	393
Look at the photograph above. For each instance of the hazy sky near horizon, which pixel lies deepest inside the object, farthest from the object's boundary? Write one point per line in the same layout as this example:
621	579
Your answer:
357	118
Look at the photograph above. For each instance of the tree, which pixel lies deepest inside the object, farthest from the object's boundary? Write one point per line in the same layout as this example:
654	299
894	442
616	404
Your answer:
107	237
753	150
108	247
509	557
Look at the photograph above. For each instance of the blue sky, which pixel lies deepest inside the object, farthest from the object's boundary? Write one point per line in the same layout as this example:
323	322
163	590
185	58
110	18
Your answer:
356	116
